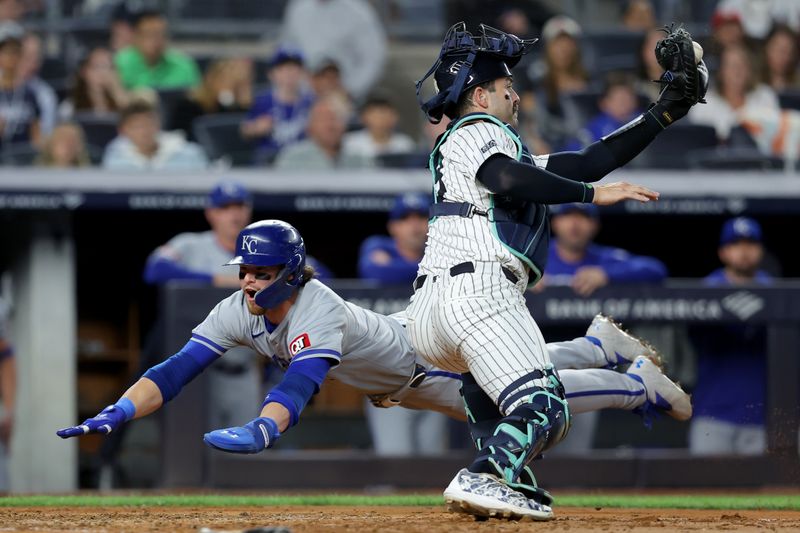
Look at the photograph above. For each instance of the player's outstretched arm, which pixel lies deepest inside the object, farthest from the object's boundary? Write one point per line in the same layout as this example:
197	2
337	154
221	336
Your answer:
280	410
140	400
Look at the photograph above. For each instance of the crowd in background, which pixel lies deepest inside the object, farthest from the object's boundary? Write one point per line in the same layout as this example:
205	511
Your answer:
316	101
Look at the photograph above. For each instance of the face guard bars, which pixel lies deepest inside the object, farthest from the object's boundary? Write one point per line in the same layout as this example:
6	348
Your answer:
458	41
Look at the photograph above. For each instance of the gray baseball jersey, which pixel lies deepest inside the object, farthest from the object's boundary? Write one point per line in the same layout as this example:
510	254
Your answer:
320	324
200	252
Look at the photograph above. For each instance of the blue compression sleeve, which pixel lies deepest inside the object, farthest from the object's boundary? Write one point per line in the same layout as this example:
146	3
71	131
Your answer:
301	381
160	270
171	375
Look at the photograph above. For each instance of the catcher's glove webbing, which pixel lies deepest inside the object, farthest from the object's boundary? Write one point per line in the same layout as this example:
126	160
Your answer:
685	81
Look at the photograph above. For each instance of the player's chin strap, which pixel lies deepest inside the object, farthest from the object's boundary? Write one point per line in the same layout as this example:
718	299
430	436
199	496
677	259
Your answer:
508	444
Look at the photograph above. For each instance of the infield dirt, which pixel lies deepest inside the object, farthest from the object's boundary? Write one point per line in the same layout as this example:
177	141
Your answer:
382	519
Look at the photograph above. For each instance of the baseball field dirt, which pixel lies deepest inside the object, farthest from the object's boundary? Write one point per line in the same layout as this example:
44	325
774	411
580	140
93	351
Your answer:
383	519
414	513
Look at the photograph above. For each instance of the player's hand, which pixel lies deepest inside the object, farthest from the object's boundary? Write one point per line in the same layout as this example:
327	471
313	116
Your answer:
540	286
253	437
107	421
588	279
611	193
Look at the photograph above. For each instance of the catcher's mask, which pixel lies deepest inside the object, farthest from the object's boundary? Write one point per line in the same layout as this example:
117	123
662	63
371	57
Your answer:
467	60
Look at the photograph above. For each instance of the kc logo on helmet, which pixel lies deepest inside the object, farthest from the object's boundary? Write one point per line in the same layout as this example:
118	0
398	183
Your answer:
301	342
250	244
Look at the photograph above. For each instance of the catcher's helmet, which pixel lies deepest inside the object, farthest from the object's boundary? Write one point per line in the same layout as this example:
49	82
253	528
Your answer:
270	243
466	61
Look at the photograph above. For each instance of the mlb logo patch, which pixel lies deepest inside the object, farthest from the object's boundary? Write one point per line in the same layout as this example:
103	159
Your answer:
299	343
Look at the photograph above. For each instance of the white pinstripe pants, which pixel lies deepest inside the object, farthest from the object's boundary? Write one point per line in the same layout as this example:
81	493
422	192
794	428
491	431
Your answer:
478	322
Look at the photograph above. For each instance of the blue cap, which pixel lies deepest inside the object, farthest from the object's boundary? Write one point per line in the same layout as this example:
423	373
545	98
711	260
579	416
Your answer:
286	54
590	210
739	229
228	192
408	203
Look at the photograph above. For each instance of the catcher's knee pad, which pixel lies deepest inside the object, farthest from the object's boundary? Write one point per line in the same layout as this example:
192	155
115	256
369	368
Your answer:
536	425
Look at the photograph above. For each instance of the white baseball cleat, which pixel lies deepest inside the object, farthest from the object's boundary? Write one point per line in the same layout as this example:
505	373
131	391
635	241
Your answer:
662	392
620	347
483	495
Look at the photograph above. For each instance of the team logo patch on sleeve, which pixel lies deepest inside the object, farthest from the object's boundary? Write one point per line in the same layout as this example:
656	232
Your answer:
299	343
488	146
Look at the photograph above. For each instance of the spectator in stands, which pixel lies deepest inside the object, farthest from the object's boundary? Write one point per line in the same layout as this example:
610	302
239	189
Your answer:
19	108
638	15
649	70
8	391
394	260
142	145
122	22
149	62
618	104
11	10
97	87
279	116
65	147
737	95
379	118
726	30
731	376
781	59
576	261
347	31
227	88
28	72
563	74
323	148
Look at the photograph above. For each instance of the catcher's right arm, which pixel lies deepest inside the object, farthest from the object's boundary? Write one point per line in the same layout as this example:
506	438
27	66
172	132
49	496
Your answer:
685	81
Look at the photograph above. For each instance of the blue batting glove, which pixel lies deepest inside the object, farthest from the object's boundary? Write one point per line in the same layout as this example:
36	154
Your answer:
255	436
107	421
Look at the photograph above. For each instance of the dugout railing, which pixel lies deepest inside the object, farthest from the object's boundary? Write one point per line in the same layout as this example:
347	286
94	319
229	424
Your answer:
187	463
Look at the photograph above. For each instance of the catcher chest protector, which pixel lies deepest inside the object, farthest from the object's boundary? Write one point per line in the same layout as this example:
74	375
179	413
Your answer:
521	227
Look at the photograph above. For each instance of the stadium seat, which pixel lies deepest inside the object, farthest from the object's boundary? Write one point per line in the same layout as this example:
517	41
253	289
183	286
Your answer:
18	155
219	135
789	100
167	101
99	129
611	51
672	147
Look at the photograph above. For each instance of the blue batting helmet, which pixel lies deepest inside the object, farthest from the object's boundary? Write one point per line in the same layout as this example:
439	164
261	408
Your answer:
270	243
467	60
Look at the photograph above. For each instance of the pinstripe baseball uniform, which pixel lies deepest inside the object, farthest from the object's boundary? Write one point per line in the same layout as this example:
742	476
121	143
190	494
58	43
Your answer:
476	321
372	352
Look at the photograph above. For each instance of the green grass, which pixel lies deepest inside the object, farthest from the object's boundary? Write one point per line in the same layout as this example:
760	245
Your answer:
690	501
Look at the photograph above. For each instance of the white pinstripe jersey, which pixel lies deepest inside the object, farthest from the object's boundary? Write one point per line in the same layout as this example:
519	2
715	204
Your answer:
375	354
454	239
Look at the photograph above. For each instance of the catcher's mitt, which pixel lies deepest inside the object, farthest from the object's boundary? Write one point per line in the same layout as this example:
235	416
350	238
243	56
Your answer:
685	81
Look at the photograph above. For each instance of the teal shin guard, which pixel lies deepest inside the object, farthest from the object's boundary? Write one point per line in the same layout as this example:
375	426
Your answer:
533	427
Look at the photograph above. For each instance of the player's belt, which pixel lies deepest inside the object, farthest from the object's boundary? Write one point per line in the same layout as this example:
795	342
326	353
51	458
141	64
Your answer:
455	209
391	399
463	268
